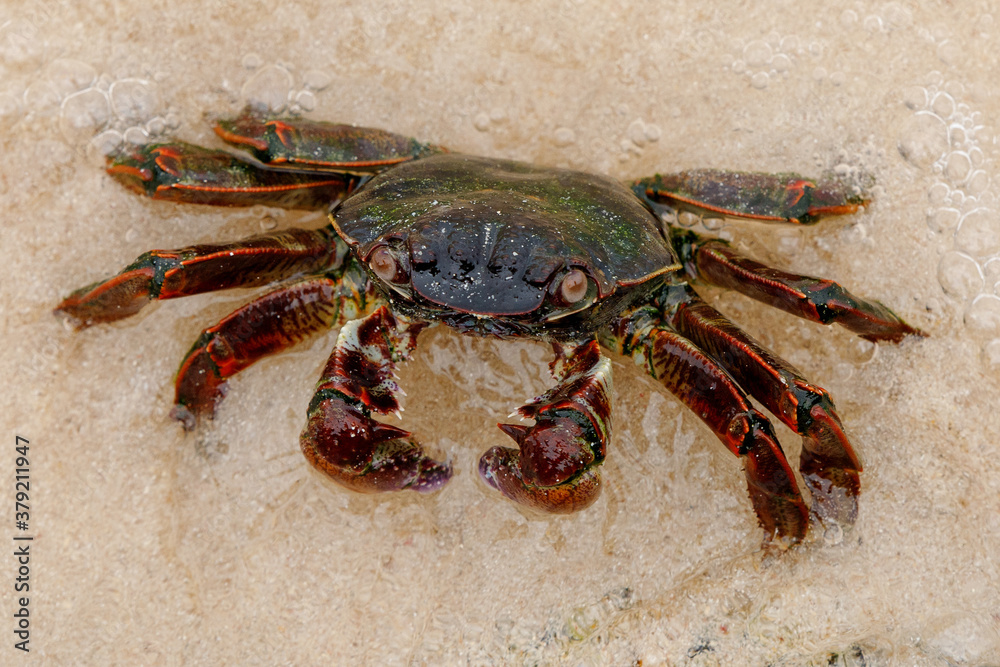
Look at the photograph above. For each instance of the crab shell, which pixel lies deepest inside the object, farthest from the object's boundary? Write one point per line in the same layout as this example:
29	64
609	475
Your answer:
483	243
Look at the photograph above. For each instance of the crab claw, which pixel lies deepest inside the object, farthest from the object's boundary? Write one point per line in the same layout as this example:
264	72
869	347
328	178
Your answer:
365	455
555	468
341	439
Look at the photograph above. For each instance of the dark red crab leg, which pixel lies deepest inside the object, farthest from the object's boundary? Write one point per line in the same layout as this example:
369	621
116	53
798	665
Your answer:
265	326
828	462
816	299
302	163
283	143
556	465
168	274
191	174
709	391
758	196
341	439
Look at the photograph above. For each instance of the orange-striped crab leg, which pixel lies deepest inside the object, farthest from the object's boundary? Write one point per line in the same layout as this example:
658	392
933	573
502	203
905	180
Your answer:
758	196
341	439
168	274
705	387
556	465
191	174
713	261
297	163
267	325
335	288
828	462
320	146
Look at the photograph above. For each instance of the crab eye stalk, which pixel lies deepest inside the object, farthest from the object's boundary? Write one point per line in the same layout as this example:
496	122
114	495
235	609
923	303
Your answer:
387	266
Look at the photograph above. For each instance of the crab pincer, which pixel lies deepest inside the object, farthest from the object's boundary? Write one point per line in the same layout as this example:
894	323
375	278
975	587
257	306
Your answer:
341	439
556	465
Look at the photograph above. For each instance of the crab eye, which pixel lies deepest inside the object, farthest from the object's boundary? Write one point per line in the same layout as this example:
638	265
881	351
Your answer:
574	286
386	266
573	292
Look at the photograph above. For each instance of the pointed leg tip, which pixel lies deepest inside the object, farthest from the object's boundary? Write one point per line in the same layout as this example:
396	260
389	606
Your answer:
773	491
897	335
776	544
187	418
64	311
784	518
830	469
834	494
115	298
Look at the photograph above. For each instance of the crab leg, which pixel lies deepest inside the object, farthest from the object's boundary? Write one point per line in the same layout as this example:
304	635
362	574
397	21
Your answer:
828	463
187	173
298	163
769	197
265	326
556	466
710	392
168	274
816	299
283	143
341	439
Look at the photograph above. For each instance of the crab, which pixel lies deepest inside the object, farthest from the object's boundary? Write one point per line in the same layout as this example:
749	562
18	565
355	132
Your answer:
419	235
